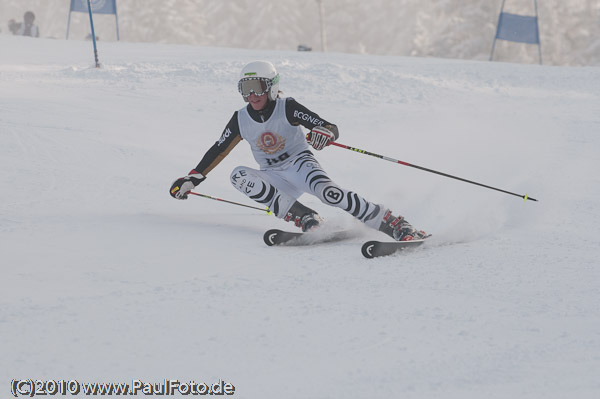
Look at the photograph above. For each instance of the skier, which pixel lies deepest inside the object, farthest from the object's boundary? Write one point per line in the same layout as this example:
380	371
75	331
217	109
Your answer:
272	126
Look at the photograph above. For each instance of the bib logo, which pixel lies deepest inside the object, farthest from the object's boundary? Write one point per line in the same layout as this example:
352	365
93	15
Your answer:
333	195
270	143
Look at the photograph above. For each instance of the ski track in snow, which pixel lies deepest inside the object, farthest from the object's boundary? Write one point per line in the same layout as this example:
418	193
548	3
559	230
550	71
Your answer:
108	278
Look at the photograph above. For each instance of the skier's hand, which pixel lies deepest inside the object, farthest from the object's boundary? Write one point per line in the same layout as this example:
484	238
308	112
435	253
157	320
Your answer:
182	186
320	137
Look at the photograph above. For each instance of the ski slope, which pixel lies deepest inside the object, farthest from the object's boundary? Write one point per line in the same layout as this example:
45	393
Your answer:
106	278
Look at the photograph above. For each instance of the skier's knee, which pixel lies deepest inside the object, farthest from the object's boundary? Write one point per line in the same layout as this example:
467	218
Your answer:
239	176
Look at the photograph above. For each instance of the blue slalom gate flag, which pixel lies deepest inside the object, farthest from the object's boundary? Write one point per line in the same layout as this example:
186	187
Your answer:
518	28
98	6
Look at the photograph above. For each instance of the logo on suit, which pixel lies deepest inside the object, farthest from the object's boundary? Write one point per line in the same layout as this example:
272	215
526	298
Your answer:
270	143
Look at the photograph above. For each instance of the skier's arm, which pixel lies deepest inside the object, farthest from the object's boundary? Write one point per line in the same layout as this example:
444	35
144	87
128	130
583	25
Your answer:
298	114
229	138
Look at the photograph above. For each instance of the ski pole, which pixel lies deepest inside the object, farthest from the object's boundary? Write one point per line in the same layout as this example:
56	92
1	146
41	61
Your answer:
525	197
231	202
93	33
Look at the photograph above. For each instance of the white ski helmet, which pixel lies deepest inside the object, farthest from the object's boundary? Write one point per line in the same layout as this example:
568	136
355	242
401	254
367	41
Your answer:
259	77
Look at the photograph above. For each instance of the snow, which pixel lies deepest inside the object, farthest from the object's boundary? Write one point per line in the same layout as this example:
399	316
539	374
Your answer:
107	278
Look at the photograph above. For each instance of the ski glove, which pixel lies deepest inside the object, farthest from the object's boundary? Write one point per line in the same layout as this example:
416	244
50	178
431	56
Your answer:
182	186
320	137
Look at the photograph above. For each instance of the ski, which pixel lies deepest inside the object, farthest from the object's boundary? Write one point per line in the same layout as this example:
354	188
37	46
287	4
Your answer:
370	249
374	249
278	237
281	237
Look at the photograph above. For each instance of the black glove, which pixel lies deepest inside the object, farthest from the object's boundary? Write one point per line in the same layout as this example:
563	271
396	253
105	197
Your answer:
182	186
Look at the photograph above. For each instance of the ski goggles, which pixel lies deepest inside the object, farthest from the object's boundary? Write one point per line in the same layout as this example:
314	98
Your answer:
258	86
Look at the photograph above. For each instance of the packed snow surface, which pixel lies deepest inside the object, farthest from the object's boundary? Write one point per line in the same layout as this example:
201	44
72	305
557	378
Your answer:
106	278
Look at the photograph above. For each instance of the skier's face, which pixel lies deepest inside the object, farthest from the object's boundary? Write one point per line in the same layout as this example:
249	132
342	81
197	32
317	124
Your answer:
257	102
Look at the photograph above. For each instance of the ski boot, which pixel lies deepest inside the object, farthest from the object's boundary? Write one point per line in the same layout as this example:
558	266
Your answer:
399	229
303	217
